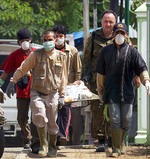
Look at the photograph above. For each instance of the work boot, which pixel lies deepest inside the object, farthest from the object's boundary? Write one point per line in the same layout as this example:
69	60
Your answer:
116	141
62	141
27	144
35	150
123	147
35	146
101	145
43	141
115	153
52	149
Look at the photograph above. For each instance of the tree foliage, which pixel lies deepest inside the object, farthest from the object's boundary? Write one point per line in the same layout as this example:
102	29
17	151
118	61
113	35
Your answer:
134	6
38	16
71	14
132	15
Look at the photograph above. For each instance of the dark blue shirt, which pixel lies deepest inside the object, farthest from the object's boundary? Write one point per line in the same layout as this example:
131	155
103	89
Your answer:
118	85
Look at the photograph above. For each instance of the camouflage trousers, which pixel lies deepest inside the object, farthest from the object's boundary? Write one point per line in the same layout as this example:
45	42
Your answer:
100	127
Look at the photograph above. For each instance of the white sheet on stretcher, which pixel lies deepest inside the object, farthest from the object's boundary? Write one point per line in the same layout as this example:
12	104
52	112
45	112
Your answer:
78	92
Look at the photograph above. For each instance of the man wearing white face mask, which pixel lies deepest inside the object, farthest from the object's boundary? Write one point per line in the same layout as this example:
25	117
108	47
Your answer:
116	68
73	67
100	125
48	85
25	45
12	62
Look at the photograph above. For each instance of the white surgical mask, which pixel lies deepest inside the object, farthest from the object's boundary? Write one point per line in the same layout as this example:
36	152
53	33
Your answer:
60	41
25	45
119	39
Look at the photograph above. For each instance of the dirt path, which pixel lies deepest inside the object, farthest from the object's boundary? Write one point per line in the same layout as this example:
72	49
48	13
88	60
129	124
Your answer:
80	152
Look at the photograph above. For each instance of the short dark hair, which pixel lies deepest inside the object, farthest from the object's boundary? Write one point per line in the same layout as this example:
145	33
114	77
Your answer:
59	29
49	31
109	11
23	33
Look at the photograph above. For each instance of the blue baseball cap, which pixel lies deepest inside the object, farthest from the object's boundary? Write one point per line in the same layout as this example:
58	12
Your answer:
120	26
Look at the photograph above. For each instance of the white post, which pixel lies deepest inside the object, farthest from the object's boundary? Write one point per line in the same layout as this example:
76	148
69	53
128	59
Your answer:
148	63
141	14
95	14
86	20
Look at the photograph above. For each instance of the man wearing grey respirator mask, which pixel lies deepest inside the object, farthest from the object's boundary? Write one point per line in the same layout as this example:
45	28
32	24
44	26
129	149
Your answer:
116	68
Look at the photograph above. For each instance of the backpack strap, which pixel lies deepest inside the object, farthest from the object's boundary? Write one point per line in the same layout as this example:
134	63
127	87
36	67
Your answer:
88	75
92	48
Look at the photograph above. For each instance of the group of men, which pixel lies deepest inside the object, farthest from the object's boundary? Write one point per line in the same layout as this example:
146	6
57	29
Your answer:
113	65
52	67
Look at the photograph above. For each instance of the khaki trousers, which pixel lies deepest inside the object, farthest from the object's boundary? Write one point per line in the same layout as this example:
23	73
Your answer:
45	111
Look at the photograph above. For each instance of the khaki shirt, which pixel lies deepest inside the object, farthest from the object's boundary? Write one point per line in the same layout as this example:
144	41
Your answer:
73	64
48	71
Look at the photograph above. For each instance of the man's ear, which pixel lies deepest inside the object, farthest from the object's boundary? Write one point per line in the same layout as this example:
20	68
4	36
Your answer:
56	39
126	35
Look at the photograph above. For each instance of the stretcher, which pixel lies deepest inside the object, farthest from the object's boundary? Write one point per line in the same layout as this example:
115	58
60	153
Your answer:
79	104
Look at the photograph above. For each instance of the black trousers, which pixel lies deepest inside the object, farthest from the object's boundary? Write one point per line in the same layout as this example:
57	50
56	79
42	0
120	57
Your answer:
23	116
63	121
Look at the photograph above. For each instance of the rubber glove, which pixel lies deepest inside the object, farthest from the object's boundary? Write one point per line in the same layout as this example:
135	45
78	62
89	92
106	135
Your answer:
61	102
10	89
147	85
1	82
